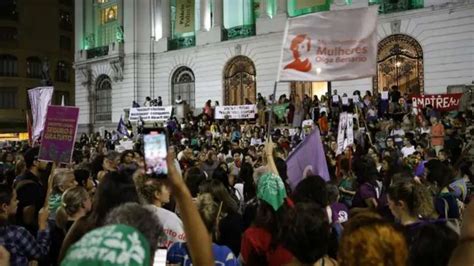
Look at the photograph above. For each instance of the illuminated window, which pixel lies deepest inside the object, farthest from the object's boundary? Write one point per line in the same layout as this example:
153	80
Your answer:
109	14
102	1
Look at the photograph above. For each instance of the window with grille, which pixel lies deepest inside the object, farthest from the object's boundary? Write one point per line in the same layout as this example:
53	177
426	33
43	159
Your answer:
8	65
7	98
62	72
103	99
183	85
33	67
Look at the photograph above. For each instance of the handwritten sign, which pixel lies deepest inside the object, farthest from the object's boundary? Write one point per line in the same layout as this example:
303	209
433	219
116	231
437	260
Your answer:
59	134
441	102
156	113
345	100
235	112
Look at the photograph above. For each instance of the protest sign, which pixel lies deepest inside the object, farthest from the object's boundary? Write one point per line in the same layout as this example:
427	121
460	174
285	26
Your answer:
235	112
156	113
384	95
329	46
441	102
280	110
345	132
57	143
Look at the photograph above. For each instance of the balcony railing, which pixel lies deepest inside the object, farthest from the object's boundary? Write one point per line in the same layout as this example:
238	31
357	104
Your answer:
239	32
183	42
97	52
391	6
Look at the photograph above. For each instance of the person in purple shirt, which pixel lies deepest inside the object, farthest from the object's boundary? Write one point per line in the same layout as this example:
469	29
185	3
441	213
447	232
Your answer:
339	211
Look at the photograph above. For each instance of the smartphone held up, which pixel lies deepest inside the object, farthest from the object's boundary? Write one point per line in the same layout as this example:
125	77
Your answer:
155	151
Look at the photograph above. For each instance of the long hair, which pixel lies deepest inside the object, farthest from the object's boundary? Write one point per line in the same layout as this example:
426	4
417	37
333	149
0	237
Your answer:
220	194
114	190
417	197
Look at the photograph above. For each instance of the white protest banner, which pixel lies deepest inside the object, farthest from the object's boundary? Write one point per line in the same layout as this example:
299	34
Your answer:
345	132
235	111
329	46
384	95
156	113
335	98
345	100
40	98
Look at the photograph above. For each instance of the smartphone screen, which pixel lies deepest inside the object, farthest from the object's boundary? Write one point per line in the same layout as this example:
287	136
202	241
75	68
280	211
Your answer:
155	150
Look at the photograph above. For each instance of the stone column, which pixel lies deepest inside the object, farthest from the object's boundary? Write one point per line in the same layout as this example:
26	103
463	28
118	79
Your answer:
210	31
263	9
205	16
165	19
218	13
162	44
282	7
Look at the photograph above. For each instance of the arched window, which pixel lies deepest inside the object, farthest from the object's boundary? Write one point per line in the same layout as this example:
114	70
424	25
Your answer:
33	67
103	99
8	65
239	81
62	71
183	85
400	63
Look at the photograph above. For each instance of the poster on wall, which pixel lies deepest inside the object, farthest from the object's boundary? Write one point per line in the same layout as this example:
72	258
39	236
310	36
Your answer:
441	102
184	16
156	113
57	142
235	112
330	46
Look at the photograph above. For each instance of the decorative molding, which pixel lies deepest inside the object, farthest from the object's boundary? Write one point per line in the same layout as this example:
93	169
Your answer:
117	67
86	73
395	26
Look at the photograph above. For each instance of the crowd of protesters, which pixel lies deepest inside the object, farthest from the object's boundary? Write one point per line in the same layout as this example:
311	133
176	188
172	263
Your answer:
398	196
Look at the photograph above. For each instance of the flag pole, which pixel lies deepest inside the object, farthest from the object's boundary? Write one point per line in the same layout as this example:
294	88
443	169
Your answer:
270	117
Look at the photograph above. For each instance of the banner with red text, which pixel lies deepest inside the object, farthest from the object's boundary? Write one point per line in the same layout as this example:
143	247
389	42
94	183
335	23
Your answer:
441	102
57	142
329	46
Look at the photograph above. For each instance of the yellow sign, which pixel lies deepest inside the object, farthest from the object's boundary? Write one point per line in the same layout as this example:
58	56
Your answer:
301	4
184	16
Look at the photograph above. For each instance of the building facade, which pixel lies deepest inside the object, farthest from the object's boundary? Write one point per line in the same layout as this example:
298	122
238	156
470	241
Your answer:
229	50
33	35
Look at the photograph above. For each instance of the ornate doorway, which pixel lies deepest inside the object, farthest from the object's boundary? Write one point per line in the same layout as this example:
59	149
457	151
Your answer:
239	81
400	63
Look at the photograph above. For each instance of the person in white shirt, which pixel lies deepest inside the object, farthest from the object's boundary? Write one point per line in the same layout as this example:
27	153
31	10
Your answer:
398	133
155	193
408	148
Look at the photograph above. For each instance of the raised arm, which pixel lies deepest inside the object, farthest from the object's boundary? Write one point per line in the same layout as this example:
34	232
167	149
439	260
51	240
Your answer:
198	239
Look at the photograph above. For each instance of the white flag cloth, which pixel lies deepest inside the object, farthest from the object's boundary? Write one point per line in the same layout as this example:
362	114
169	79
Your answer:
329	46
40	98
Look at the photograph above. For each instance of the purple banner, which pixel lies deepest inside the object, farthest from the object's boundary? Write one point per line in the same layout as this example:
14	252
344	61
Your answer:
57	142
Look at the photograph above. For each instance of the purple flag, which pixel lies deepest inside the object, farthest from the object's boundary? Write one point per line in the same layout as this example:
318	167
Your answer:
307	159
